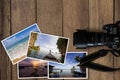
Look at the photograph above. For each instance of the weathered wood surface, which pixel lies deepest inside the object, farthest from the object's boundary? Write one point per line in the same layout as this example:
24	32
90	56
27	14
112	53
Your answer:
62	18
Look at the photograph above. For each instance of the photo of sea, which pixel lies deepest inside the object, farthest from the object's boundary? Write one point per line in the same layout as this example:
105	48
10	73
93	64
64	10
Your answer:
69	70
17	44
47	47
32	68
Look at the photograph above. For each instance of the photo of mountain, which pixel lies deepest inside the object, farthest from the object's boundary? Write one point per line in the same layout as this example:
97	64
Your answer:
47	47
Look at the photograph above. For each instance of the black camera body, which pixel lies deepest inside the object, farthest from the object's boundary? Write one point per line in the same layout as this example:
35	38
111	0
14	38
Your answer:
110	38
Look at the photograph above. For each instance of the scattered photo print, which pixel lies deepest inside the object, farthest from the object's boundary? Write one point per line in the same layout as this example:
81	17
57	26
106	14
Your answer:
32	68
17	44
47	47
70	70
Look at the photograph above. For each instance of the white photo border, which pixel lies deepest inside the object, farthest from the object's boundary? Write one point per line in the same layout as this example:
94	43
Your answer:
14	35
32	77
84	52
53	36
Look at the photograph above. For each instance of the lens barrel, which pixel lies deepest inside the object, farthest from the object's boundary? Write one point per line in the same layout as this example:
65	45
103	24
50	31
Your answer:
84	39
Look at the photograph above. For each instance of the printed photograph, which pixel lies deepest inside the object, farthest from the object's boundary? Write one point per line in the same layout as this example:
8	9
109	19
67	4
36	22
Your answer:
70	70
47	47
32	68
16	45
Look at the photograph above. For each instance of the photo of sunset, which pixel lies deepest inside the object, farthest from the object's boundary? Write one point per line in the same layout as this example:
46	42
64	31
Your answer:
32	68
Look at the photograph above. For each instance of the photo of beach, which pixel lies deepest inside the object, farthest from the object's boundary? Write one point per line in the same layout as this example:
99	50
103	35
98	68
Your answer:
70	70
47	47
17	44
32	68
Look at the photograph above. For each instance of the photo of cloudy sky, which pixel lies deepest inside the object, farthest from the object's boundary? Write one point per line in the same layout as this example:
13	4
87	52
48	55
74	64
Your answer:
47	47
70	69
16	45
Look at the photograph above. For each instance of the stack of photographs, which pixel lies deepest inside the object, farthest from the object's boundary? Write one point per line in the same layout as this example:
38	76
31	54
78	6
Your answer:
40	55
17	44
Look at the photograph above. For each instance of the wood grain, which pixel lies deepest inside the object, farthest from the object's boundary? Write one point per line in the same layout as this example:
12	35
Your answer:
75	16
62	18
0	34
22	15
5	30
116	18
100	13
49	17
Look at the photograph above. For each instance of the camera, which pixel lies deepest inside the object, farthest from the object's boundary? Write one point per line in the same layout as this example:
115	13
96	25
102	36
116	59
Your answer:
110	38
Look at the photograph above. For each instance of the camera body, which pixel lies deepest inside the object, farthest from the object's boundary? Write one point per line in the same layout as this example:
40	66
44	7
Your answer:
110	38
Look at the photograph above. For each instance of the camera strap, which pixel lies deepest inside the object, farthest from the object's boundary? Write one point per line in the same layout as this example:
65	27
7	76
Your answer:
87	61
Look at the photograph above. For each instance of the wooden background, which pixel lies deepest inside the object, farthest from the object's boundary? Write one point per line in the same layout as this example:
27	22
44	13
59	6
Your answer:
58	17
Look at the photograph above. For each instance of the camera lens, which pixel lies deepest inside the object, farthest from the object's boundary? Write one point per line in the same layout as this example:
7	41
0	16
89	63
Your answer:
80	39
111	38
84	39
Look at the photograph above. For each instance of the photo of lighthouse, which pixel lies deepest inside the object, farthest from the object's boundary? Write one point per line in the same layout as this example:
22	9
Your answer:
47	47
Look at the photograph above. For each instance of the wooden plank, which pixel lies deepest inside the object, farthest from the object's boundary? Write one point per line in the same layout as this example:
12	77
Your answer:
5	67
100	13
22	15
49	17
60	18
1	6
116	18
75	16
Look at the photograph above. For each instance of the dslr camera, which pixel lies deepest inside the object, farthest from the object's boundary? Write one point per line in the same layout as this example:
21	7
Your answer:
110	38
